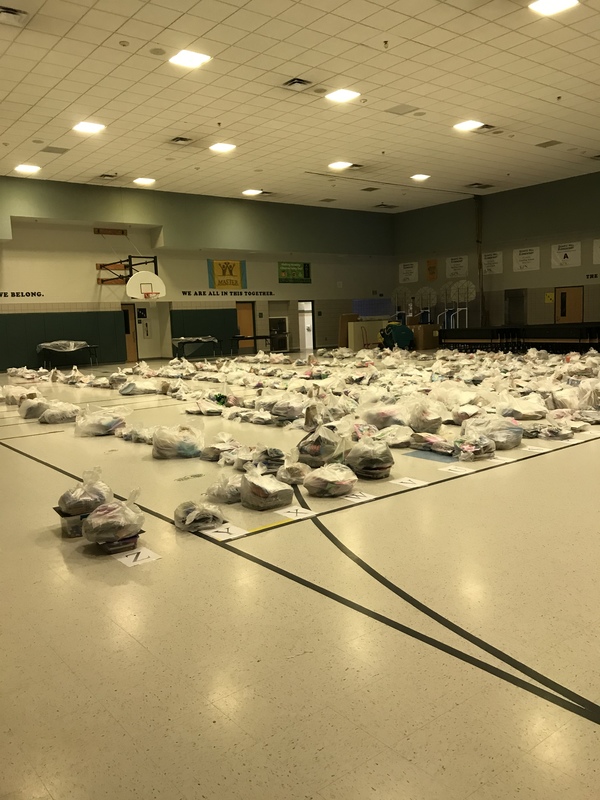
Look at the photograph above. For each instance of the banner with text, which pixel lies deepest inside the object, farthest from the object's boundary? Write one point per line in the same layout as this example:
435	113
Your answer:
492	263
457	267
526	259
226	274
409	272
294	272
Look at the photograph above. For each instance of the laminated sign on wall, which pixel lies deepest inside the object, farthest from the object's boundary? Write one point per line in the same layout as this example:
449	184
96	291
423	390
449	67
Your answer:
492	263
596	252
226	274
565	255
526	259
409	272
457	267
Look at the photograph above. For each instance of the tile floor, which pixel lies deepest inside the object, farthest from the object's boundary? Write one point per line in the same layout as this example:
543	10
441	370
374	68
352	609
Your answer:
207	676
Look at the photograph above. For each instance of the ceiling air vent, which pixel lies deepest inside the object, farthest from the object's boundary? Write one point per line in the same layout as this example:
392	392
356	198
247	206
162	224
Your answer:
13	16
296	84
385	205
180	140
486	129
550	143
479	186
327	200
108	176
59	151
401	110
370	189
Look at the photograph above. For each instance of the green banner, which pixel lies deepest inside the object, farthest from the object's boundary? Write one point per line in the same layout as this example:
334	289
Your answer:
294	272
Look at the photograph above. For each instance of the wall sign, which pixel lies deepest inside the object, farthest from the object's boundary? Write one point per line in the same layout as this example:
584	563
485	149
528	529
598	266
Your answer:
549	297
215	293
565	255
432	272
294	272
21	294
226	274
526	259
596	252
457	267
409	272
492	263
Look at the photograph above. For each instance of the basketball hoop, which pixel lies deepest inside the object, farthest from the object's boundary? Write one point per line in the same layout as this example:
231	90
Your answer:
151	295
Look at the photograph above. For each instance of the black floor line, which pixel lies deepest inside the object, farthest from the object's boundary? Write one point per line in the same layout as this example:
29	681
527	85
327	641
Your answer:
588	710
444	621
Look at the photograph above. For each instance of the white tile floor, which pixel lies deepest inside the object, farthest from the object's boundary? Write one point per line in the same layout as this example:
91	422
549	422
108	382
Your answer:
206	676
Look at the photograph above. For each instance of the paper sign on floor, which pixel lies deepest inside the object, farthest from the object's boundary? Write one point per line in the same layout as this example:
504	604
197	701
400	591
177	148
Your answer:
532	449
457	470
502	460
225	532
410	483
295	512
135	557
358	497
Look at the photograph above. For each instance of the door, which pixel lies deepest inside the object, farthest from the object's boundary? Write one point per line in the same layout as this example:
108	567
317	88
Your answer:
568	304
245	323
515	304
128	310
278	328
306	325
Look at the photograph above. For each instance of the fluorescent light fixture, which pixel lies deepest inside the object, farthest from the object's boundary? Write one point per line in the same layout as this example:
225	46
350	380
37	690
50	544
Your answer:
189	59
549	7
420	177
342	95
27	169
252	192
145	181
340	165
89	127
222	147
468	125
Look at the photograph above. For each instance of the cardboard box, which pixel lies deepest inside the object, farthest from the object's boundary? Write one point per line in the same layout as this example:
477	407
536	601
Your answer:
426	336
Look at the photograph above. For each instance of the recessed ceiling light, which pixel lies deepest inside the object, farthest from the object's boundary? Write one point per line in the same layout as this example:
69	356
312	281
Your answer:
89	127
548	7
27	169
420	177
189	59
342	95
252	192
222	147
145	181
340	165
468	125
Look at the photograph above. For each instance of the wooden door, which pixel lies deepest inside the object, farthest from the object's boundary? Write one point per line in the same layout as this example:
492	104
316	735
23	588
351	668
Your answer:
568	304
128	310
245	322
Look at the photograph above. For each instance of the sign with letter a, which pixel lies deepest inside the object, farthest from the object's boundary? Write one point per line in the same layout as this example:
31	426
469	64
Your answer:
565	255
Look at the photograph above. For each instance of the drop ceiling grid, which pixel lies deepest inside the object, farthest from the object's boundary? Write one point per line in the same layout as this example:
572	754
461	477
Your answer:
87	69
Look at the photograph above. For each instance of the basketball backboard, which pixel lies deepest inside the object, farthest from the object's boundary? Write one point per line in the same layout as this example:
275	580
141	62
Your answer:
142	284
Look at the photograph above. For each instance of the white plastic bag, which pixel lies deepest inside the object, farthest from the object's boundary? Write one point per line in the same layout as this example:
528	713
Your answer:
224	442
292	472
370	458
262	492
320	447
226	489
179	442
58	412
395	435
114	520
86	496
33	409
103	422
195	517
333	480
